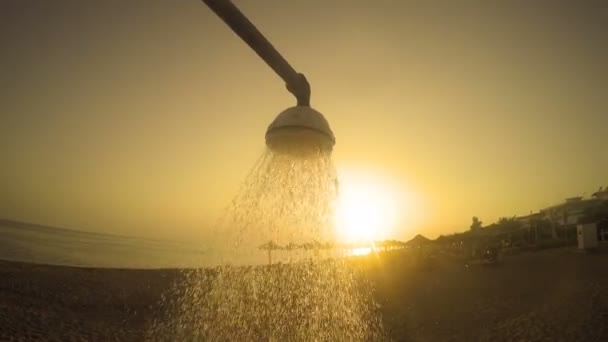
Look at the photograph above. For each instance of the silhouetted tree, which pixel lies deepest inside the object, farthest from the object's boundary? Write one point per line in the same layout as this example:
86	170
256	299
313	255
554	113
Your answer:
476	225
508	223
389	244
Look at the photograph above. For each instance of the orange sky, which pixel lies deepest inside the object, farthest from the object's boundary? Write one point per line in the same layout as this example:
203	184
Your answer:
142	117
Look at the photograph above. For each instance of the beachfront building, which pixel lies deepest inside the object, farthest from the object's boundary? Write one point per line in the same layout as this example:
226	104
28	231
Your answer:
535	225
602	230
601	194
528	221
569	212
565	216
602	214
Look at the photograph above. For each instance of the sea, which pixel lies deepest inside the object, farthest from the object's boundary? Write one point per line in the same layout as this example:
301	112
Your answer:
58	246
32	243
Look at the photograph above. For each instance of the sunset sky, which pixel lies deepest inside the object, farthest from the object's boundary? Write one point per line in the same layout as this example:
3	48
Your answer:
143	117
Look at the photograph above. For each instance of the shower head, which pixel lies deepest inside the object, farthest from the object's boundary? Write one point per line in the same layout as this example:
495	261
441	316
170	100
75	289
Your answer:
300	129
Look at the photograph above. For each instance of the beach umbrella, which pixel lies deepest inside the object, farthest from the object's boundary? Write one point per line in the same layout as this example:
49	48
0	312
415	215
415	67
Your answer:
270	246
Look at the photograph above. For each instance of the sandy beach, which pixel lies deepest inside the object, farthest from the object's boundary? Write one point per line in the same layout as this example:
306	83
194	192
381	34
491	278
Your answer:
552	295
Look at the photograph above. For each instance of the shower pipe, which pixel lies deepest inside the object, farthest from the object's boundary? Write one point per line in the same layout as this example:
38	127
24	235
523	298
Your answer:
295	82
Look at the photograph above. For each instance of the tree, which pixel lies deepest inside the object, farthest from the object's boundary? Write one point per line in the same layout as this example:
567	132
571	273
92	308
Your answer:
476	225
508	223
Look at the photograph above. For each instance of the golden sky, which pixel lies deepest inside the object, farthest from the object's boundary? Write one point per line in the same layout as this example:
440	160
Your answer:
142	117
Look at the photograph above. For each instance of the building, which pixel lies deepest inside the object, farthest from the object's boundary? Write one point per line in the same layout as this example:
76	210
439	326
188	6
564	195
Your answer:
601	194
528	221
569	212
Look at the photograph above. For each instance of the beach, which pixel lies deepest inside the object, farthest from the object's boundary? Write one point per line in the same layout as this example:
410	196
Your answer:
551	295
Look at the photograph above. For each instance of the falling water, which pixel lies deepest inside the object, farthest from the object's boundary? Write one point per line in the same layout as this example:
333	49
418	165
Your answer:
305	294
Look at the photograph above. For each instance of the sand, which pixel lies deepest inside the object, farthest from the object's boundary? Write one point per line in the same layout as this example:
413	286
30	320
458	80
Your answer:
552	295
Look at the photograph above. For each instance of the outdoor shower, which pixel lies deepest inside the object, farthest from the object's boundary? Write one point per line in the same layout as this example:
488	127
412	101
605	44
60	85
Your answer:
284	210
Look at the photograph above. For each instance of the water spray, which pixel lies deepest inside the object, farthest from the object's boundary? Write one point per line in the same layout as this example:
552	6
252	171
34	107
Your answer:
284	206
297	129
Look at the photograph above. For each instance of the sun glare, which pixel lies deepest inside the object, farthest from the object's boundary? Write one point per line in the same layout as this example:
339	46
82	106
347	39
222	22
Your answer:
361	251
367	207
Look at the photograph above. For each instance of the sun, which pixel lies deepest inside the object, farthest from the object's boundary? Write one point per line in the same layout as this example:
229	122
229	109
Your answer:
367	207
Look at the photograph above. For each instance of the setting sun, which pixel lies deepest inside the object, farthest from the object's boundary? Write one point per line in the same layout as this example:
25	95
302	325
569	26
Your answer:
367	207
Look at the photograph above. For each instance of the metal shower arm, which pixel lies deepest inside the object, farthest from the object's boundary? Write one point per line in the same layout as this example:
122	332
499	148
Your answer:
296	83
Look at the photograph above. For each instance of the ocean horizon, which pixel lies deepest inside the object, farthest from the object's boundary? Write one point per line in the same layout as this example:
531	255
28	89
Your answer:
25	242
